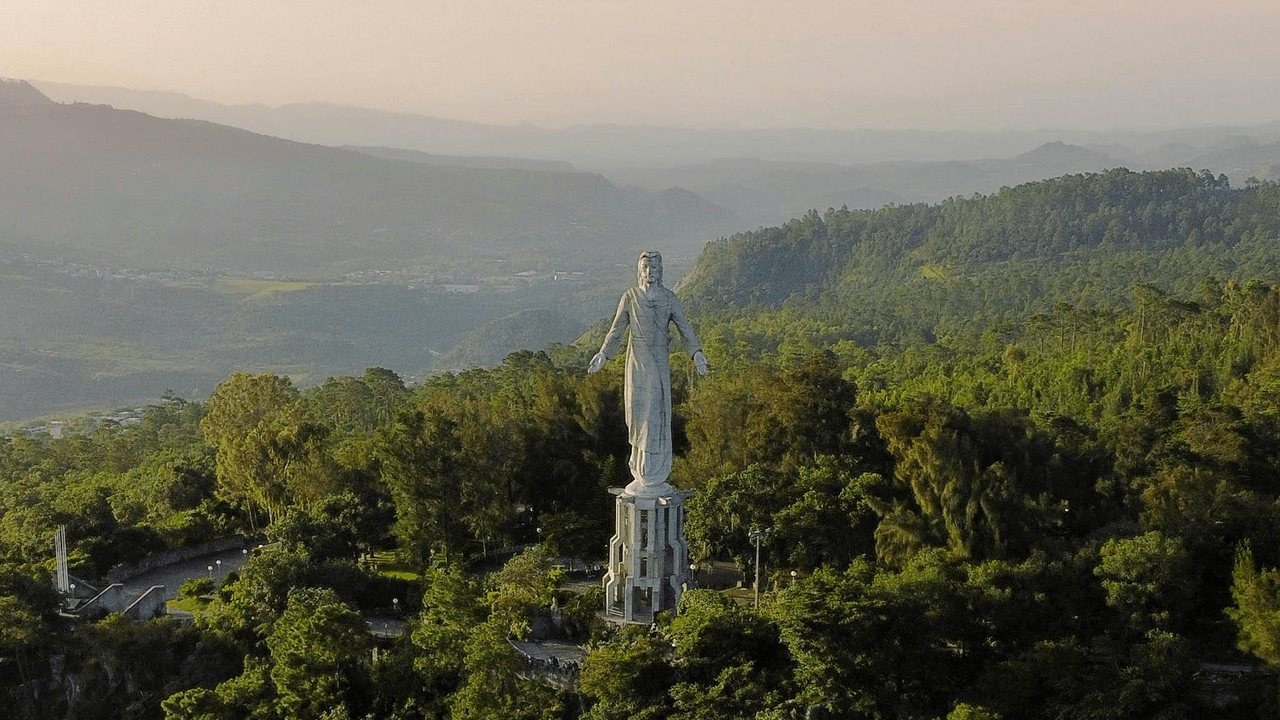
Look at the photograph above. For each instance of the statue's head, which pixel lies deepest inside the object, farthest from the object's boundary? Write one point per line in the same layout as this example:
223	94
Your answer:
649	268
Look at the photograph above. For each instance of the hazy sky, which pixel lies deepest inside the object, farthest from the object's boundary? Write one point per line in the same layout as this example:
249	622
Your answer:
927	64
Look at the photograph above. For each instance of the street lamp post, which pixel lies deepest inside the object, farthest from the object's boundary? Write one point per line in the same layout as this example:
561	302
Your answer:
210	571
756	534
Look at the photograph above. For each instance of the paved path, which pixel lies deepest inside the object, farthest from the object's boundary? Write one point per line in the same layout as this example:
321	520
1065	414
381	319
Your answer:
383	626
172	576
547	650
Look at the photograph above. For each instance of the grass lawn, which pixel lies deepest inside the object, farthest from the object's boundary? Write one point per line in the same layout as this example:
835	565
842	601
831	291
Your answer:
387	564
190	605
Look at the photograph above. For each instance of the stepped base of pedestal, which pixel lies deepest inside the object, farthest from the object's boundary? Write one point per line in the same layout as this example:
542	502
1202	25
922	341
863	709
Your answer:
638	489
618	614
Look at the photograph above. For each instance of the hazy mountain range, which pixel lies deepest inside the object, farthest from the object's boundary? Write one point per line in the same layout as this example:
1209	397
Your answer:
762	176
604	147
387	228
770	193
111	186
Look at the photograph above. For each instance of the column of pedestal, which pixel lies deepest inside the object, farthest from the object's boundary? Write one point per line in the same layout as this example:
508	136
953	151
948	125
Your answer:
642	568
616	587
650	556
660	569
676	568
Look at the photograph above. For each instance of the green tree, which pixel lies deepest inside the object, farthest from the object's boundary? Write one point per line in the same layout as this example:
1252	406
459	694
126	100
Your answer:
628	677
253	602
197	586
524	585
728	507
269	453
904	644
425	467
965	711
979	486
732	662
833	521
196	704
780	420
20	630
451	610
490	688
1144	578
339	527
1256	610
319	649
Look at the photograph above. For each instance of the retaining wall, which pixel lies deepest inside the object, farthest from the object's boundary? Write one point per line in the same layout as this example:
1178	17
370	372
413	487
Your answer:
151	604
106	602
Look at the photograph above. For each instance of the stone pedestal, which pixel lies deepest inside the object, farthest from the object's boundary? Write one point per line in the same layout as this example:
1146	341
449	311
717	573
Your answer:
648	555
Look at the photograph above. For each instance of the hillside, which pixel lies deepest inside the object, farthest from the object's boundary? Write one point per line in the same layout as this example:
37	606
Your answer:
924	272
1015	455
119	187
530	328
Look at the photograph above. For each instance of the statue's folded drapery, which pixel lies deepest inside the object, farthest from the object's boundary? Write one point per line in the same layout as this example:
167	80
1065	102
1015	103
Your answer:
647	312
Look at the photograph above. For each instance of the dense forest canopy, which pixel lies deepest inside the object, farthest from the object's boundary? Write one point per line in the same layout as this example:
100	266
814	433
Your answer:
1017	456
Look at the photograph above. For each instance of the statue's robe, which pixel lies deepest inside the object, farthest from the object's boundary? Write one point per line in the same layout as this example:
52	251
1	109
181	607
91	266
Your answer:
647	313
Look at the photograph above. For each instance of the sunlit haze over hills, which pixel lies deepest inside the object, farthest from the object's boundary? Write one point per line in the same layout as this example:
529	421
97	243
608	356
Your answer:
830	64
315	188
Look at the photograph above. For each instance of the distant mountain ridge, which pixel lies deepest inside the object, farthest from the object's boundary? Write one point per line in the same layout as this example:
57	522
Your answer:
20	93
761	177
606	147
121	187
767	193
478	162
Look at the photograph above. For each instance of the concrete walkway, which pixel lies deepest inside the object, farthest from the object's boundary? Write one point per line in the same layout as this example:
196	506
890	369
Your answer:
385	627
172	576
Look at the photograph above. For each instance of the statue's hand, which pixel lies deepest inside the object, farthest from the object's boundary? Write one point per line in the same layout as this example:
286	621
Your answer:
700	362
597	362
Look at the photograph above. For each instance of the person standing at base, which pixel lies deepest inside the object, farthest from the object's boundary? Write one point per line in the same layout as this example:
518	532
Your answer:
647	311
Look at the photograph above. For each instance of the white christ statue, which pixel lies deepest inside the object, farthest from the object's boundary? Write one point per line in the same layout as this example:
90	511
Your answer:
647	310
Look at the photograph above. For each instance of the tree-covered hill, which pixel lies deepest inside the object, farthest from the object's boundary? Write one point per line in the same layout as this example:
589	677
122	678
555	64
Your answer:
959	267
530	327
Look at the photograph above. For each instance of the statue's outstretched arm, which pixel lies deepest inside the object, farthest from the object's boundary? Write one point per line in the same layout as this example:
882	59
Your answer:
700	362
621	321
691	344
